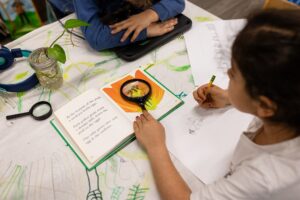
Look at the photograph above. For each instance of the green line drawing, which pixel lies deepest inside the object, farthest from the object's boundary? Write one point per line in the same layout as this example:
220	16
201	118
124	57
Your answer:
203	19
136	192
191	79
49	33
179	68
8	186
181	95
107	53
180	37
116	193
20	101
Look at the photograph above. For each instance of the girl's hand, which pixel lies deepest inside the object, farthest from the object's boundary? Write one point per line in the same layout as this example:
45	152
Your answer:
135	24
149	132
161	28
211	97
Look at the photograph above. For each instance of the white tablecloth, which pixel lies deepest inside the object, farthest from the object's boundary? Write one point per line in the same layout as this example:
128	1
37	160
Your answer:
36	164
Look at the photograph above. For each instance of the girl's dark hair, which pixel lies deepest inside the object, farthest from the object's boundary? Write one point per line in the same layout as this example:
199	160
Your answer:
267	53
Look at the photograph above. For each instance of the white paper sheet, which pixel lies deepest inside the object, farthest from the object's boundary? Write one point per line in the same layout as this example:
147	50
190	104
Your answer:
209	49
204	140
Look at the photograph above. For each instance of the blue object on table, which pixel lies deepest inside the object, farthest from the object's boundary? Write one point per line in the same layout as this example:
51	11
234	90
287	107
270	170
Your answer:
295	1
7	58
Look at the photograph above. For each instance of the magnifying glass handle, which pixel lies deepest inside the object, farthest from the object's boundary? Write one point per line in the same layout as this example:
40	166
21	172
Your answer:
17	115
142	106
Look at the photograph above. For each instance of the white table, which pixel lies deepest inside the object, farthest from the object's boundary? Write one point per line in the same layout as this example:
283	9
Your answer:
34	161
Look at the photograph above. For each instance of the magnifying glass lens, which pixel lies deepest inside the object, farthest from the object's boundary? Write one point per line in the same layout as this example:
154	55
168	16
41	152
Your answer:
136	89
41	110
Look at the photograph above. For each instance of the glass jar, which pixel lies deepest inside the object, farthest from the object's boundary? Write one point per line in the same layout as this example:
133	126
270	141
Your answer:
47	69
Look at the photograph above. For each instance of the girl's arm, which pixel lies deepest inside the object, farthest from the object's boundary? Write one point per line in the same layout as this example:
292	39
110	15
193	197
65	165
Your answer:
254	178
151	134
97	34
169	182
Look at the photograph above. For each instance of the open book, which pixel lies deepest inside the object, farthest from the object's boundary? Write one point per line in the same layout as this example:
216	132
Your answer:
99	122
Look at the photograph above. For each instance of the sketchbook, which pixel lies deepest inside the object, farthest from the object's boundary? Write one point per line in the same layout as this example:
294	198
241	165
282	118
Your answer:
99	122
204	139
209	49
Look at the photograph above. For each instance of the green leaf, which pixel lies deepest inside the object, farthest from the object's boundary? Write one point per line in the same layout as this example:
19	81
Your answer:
57	53
74	23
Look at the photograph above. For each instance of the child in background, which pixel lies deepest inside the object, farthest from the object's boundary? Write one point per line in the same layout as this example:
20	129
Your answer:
264	81
18	7
155	18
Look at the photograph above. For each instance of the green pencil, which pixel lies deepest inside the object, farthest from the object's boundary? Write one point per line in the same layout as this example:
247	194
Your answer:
211	81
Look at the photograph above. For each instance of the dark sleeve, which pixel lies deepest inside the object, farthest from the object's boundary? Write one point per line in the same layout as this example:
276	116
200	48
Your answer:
168	8
97	34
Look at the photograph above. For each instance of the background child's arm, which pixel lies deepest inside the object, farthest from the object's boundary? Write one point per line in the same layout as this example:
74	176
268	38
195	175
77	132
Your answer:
150	133
135	24
163	10
97	34
167	9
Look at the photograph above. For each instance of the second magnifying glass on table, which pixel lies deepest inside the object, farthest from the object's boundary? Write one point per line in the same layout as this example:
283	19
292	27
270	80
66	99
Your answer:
39	111
137	91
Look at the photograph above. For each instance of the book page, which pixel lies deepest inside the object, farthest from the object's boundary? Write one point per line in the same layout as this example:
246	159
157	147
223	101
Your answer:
158	104
93	124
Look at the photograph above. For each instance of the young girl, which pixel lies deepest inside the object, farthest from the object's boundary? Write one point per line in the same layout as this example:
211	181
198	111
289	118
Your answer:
150	18
264	81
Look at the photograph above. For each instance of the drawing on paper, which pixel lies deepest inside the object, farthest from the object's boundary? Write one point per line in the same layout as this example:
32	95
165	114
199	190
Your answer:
222	43
200	117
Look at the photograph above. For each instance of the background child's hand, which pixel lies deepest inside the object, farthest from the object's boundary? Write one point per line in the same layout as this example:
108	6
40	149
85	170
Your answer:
213	97
135	24
149	132
161	28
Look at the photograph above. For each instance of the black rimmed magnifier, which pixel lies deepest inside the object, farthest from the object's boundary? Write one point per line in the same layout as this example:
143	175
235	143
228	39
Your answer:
137	91
39	111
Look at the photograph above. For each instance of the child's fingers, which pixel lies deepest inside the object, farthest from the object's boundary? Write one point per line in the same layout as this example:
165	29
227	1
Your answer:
195	95
136	127
199	95
171	22
206	105
139	122
169	29
169	25
147	115
127	33
120	27
114	25
116	30
117	24
143	118
136	34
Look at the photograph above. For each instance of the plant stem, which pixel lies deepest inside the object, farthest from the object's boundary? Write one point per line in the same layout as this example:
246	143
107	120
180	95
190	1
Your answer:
71	37
57	38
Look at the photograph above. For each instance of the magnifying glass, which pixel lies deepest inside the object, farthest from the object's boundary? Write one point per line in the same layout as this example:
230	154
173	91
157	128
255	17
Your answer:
137	91
39	111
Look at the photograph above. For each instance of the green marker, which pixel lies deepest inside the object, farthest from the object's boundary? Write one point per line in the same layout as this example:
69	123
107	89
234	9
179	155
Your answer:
211	81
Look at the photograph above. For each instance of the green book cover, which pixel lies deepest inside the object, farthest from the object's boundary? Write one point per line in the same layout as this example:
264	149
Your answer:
98	123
